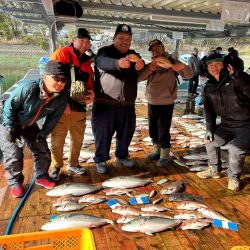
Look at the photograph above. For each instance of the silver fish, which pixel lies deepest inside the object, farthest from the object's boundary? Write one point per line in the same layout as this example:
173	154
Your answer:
75	189
65	199
195	224
209	213
75	221
70	206
190	205
126	182
118	191
184	197
126	210
152	208
162	181
92	198
174	187
150	224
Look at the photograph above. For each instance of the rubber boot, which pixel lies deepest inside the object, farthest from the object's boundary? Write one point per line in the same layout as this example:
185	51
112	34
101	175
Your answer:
155	155
164	157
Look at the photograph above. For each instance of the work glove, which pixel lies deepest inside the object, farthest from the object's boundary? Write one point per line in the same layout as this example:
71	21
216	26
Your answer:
40	138
209	136
12	135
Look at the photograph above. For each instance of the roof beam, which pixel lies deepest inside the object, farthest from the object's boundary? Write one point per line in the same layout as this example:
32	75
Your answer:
20	10
27	1
141	21
149	11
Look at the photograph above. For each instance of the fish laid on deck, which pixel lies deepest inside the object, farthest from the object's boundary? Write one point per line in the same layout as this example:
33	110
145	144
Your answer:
195	224
190	205
75	189
150	224
174	187
126	182
75	221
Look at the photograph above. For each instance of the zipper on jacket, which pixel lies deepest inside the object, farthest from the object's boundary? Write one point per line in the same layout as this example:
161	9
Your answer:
39	111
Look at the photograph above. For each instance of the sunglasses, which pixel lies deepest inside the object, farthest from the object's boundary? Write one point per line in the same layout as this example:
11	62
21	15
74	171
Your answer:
61	79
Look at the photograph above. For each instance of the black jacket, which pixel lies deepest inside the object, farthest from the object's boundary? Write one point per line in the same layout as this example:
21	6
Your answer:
229	98
112	85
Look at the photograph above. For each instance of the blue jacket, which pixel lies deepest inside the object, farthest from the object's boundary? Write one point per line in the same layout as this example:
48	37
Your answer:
28	103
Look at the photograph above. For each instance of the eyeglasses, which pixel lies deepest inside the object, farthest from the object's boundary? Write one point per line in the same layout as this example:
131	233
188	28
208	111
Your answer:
59	79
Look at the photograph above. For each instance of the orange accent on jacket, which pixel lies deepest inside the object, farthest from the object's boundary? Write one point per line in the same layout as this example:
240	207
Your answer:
63	55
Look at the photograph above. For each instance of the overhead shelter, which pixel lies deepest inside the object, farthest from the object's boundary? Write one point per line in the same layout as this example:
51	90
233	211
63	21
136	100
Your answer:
193	18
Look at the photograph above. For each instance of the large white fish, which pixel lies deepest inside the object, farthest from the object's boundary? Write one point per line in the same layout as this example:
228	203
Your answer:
126	182
75	189
75	221
126	210
174	187
118	191
209	213
154	208
150	224
70	206
190	205
92	198
65	199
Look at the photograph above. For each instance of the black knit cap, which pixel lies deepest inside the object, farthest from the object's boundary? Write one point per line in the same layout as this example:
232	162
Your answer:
82	33
154	42
214	58
123	28
54	67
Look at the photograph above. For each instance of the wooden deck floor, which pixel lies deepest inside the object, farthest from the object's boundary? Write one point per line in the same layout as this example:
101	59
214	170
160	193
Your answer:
234	205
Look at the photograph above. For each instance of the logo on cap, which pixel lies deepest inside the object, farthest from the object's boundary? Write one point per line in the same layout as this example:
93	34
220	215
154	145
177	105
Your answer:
125	28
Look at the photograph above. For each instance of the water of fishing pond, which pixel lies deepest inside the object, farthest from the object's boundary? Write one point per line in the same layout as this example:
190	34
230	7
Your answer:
11	76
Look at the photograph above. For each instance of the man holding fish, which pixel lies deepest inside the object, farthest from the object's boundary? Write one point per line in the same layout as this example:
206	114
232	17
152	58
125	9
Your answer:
161	93
116	75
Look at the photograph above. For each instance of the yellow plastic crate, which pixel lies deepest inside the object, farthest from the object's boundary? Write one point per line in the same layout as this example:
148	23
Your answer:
67	239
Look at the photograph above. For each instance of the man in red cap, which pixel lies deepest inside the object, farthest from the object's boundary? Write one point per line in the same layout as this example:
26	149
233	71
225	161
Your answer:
28	103
117	68
227	95
74	117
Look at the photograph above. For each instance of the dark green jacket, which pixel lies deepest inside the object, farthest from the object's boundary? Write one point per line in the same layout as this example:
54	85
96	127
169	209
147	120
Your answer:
28	103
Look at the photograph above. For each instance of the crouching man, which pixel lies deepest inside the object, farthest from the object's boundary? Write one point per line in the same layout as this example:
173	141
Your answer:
226	94
28	103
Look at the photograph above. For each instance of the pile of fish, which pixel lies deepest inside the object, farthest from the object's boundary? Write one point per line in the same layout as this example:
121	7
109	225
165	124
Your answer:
146	218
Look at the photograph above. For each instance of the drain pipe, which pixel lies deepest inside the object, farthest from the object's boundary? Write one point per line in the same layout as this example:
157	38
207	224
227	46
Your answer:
12	219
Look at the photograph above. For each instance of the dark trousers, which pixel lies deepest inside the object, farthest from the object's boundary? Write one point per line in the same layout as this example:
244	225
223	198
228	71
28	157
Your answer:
238	146
106	120
13	155
193	84
160	118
